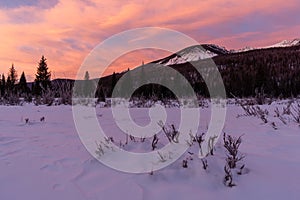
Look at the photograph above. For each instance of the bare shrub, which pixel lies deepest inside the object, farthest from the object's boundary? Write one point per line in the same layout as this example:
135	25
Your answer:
13	99
99	151
154	142
232	145
228	180
292	109
171	133
185	163
37	100
295	112
240	172
274	126
162	158
104	145
204	163
287	109
211	143
64	92
132	138
200	139
280	116
255	111
48	97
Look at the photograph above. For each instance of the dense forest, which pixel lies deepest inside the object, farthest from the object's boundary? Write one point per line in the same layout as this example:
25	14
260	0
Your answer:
273	72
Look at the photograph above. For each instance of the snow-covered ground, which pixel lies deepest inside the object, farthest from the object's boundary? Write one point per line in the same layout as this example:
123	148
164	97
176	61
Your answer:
46	160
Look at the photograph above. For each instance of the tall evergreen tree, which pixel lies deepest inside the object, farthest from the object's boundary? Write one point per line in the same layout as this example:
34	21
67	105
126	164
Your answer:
23	84
126	85
42	77
11	79
100	93
8	87
113	83
12	74
0	87
3	85
87	85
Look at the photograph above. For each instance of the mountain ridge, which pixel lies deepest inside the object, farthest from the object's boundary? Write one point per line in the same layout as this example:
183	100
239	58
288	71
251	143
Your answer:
205	51
282	44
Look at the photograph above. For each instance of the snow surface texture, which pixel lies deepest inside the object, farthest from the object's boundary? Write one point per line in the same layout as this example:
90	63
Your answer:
46	160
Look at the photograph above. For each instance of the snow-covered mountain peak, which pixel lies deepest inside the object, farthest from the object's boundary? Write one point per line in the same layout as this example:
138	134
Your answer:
200	52
286	43
247	48
193	53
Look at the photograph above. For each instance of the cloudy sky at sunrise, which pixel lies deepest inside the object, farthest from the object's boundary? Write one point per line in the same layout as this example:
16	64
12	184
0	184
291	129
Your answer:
65	31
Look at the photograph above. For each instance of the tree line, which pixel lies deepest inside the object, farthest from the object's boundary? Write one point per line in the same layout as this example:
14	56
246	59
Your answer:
273	73
267	72
12	88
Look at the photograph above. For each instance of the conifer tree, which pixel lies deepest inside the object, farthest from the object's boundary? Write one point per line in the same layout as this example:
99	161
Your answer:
113	83
87	85
3	85
43	76
12	75
126	85
8	87
23	84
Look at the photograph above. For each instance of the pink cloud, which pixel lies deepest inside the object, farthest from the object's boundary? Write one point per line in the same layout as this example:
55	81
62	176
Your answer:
67	31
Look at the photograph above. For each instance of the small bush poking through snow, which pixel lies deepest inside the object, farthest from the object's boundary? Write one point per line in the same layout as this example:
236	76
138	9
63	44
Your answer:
171	133
232	145
204	163
200	138
185	163
211	143
295	112
154	142
228	180
256	111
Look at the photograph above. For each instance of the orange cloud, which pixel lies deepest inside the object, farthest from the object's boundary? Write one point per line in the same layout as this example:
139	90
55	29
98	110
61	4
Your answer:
134	59
65	32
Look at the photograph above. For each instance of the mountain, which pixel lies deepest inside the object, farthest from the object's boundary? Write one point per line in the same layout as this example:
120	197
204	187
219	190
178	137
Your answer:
284	43
193	53
273	71
200	52
247	48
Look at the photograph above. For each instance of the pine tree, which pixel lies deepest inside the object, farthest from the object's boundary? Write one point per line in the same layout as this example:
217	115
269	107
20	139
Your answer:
87	85
113	83
100	93
8	87
126	85
11	79
12	74
42	77
23	84
3	85
0	88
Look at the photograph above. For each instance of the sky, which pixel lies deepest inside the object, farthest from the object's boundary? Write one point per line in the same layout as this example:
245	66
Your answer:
65	31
